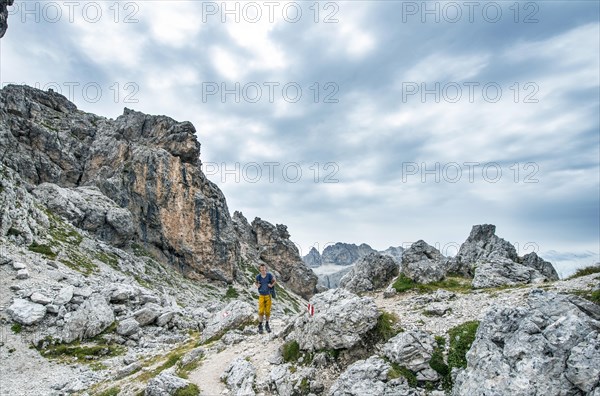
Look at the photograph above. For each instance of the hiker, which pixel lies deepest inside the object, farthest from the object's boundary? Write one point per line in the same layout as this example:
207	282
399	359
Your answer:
264	282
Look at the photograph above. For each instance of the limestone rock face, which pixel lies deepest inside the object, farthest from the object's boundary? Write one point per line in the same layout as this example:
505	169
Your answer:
90	210
147	165
279	253
239	377
340	321
413	350
4	15
345	253
532	260
549	345
423	263
373	271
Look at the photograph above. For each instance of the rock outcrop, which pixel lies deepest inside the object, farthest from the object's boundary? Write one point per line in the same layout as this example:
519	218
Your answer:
423	263
492	261
549	345
148	165
341	320
239	377
413	350
234	315
373	271
482	244
345	253
4	15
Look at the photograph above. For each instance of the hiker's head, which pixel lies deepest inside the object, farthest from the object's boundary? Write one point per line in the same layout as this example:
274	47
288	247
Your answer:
263	269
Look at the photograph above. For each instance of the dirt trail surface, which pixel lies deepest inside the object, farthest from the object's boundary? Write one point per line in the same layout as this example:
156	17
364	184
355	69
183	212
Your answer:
258	348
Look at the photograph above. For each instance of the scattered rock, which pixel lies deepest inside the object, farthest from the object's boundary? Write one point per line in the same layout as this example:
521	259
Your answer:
64	295
128	327
23	274
234	315
128	370
147	315
26	312
90	319
17	265
412	349
39	298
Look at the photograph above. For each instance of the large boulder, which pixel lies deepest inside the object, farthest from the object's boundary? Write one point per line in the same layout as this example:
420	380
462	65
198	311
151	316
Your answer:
90	319
423	263
239	377
164	384
372	272
235	314
369	377
412	349
549	345
341	320
26	312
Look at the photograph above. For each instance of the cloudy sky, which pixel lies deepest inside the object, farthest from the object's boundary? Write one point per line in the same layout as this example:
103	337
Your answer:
381	122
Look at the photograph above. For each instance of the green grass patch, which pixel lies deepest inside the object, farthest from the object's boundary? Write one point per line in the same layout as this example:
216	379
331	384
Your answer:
114	391
81	353
63	233
304	386
461	338
190	390
592	269
590	296
171	361
290	351
79	262
403	284
452	283
44	250
16	328
231	293
397	371
110	259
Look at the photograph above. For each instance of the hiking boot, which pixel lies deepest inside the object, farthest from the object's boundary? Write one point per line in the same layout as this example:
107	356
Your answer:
267	327
260	328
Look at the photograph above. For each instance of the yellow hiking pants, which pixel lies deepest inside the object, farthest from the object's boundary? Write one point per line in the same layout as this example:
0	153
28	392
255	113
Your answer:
264	305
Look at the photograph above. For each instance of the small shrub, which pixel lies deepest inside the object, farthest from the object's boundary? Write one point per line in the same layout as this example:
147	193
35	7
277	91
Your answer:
397	371
231	293
190	390
16	328
385	327
290	351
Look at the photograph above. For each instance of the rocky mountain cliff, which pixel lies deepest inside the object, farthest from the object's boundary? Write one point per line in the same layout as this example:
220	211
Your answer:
136	179
101	219
4	15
